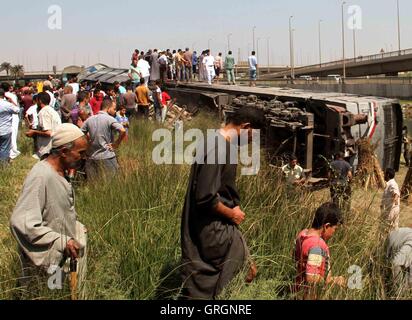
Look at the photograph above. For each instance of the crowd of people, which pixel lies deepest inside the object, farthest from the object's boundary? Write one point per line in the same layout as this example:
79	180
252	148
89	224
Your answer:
187	66
75	102
41	108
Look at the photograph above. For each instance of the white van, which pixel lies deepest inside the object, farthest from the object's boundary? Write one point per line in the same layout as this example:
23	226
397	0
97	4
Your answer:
336	77
307	78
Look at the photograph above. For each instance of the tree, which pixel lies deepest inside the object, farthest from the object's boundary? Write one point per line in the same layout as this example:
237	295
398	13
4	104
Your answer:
17	71
6	66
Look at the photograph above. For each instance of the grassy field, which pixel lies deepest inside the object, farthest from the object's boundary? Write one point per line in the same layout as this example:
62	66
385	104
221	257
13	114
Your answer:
134	230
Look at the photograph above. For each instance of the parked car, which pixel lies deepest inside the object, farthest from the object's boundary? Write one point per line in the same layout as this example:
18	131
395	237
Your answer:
336	77
307	78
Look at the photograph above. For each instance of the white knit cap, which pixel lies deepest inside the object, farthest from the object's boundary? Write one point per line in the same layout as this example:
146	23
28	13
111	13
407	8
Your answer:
65	134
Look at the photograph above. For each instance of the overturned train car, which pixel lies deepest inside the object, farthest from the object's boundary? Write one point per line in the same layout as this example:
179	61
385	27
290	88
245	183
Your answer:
315	126
312	125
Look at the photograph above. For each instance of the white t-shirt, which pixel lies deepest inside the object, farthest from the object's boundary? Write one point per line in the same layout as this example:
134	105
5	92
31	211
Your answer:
15	116
392	189
52	99
164	59
76	88
13	98
174	59
32	111
144	68
49	120
209	62
252	62
154	95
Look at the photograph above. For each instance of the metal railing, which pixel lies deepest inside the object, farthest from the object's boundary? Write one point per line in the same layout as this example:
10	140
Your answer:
328	81
373	57
379	56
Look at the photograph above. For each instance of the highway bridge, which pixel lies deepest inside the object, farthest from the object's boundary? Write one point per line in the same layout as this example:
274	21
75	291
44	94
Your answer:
390	64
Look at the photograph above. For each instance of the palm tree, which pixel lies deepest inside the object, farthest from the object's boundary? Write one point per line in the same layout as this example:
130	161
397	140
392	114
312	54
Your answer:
6	66
17	71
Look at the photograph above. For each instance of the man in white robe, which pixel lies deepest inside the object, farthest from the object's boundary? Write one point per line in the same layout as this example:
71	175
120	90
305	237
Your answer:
14	151
209	65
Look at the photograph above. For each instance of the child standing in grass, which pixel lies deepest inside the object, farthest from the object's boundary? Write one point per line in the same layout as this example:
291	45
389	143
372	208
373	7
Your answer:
312	254
391	202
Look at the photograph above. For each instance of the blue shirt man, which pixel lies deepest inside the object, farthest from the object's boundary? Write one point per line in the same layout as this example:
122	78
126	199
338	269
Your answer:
195	62
253	62
120	88
253	65
195	59
7	110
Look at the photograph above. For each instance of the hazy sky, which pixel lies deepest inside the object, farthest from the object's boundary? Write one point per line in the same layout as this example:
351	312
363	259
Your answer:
109	29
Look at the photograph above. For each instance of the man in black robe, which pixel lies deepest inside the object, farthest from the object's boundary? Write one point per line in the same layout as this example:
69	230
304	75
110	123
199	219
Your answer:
213	248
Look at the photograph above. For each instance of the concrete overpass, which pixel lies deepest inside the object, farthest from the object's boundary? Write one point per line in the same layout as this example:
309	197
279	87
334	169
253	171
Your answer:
390	63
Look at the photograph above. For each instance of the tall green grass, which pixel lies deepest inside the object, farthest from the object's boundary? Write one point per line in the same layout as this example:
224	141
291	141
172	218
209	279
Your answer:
11	179
134	230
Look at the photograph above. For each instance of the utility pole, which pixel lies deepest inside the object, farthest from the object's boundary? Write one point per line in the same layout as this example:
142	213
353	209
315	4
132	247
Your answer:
399	27
238	61
228	41
354	44
254	48
258	56
320	44
343	41
268	47
292	57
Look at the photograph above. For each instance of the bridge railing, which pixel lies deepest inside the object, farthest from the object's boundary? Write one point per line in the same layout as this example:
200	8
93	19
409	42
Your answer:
366	58
328	81
373	57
